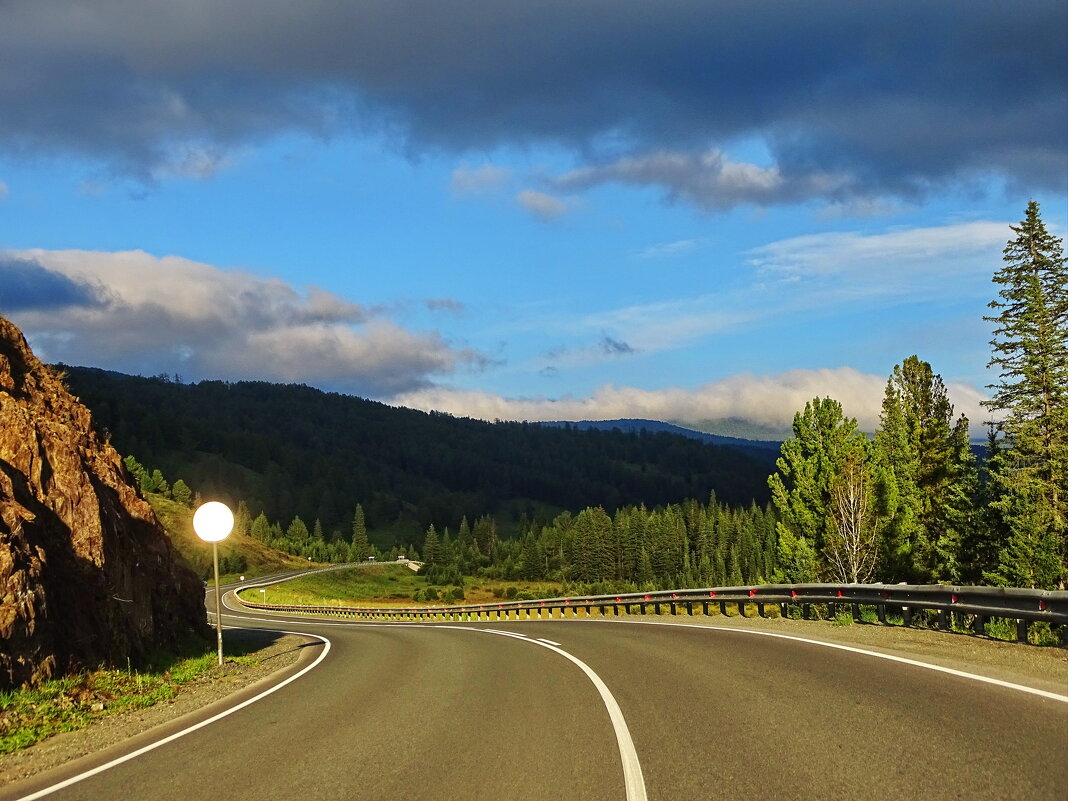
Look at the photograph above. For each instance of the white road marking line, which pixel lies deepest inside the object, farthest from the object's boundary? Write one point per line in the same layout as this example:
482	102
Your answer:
877	654
509	633
633	780
852	649
542	639
152	746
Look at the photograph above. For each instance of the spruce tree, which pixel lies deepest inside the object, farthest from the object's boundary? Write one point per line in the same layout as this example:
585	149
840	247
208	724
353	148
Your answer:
923	459
1030	405
361	547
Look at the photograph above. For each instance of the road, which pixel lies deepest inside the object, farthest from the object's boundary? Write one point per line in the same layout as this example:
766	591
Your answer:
524	710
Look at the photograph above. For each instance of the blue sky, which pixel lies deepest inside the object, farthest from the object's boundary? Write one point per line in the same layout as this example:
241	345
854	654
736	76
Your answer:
686	211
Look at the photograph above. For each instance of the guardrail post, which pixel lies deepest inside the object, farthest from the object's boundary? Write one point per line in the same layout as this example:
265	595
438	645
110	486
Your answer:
689	608
880	611
806	611
832	610
856	611
906	615
656	608
723	608
943	619
979	624
1021	631
760	610
674	611
784	609
704	608
641	608
741	608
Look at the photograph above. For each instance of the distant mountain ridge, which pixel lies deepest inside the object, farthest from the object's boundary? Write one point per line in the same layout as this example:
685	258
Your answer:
761	450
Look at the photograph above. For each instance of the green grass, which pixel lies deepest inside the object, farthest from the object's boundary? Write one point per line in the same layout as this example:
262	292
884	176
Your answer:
177	520
73	702
385	585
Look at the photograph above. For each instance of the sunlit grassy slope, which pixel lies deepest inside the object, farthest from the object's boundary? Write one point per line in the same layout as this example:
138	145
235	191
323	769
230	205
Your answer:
178	521
385	585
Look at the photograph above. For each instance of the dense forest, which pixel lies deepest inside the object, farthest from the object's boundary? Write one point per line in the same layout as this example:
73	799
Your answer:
910	503
294	451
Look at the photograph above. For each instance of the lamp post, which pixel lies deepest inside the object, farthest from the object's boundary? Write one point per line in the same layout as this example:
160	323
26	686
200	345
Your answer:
213	522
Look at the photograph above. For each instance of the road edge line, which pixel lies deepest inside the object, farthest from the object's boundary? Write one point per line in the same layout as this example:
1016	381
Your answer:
189	730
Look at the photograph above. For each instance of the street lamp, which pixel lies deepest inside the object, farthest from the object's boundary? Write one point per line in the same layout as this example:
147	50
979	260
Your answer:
213	522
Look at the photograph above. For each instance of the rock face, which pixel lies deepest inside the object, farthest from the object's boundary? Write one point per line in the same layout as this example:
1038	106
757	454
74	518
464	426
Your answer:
87	574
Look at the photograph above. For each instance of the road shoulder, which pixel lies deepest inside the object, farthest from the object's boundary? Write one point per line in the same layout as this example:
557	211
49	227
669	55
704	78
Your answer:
68	753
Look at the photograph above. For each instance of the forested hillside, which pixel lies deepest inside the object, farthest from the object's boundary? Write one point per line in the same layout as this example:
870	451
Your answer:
289	450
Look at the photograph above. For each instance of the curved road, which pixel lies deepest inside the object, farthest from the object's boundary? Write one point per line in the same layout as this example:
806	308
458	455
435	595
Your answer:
588	710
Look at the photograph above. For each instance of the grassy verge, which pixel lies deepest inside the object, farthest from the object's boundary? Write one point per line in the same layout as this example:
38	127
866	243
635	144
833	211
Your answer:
73	702
388	585
259	559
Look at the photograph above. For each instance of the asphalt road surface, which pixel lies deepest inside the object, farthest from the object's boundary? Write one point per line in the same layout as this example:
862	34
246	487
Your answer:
587	710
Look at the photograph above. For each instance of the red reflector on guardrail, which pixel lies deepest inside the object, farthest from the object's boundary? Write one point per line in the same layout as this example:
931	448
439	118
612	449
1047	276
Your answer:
953	599
647	597
752	593
711	593
673	595
839	593
1041	606
793	593
618	600
885	595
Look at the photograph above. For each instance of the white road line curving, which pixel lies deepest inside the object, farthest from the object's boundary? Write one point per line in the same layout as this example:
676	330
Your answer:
632	769
852	649
152	746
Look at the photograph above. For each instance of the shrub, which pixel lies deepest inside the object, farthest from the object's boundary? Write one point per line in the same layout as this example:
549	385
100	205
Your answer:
844	618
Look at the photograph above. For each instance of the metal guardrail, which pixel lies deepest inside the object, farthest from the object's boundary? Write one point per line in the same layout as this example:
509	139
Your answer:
980	604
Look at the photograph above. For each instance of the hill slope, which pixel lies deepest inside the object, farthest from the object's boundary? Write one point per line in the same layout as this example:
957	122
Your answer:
289	449
758	449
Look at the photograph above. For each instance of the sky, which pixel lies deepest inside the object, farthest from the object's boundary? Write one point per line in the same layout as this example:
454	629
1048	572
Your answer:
540	210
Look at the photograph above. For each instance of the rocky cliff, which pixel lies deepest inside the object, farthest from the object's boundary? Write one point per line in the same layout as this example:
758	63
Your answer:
87	574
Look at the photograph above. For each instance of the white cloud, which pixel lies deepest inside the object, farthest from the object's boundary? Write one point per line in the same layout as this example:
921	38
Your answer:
769	400
543	206
893	259
478	180
707	179
168	314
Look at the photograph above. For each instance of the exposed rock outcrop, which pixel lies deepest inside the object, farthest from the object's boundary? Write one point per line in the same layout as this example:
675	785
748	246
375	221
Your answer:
87	574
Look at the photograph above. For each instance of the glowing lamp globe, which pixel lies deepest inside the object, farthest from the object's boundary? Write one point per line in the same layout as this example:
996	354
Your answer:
213	521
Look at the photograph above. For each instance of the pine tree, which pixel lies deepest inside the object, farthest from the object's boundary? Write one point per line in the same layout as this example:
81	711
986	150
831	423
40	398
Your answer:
1030	405
261	528
811	467
181	492
297	533
431	545
922	460
361	547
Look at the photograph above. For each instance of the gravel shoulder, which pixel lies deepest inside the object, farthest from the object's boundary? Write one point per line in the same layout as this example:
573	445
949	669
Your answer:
275	653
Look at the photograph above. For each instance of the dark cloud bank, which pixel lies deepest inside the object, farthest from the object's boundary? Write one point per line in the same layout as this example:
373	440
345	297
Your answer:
852	98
